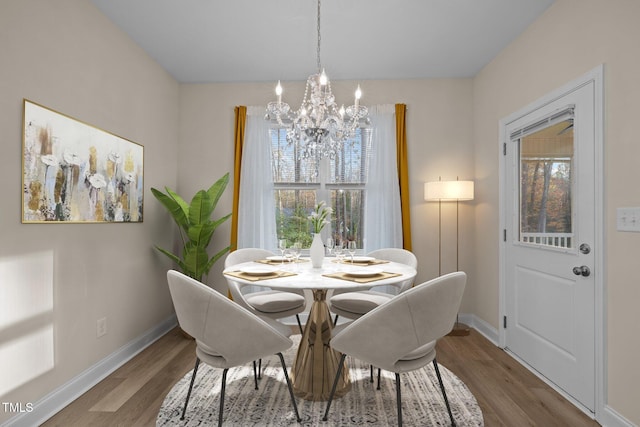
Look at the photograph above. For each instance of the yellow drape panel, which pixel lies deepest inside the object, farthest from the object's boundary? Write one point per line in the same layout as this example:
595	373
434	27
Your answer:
240	122
403	174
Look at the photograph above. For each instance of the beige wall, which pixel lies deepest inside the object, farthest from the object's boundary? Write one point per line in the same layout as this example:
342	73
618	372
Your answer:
67	56
439	144
570	39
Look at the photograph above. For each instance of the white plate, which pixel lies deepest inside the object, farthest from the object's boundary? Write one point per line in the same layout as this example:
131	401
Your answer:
365	272
361	259
257	271
276	258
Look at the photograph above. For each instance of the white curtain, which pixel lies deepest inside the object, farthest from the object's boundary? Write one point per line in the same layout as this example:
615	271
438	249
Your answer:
382	213
256	208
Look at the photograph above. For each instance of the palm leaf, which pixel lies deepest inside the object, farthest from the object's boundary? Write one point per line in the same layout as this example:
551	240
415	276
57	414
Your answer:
215	258
219	221
174	257
172	204
201	208
195	260
183	216
200	234
218	187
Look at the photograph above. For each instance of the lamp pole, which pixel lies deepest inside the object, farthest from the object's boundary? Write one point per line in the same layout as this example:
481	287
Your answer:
439	234
459	329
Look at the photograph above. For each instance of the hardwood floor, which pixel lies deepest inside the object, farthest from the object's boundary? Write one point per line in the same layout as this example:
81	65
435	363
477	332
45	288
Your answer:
508	394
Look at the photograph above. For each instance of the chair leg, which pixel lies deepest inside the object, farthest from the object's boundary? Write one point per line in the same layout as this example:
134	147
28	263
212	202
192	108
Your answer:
259	369
444	393
193	377
371	376
399	400
222	388
333	388
255	374
299	324
286	376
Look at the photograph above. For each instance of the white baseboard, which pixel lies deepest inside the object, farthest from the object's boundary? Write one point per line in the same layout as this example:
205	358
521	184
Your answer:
611	418
55	401
485	329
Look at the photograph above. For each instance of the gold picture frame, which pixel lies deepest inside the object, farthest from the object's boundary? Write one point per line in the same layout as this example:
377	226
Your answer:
73	172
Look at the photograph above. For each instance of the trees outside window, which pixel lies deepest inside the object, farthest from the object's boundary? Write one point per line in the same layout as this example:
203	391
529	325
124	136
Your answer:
546	201
301	183
546	183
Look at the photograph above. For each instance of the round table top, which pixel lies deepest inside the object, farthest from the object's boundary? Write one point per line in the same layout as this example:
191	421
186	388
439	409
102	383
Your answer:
307	277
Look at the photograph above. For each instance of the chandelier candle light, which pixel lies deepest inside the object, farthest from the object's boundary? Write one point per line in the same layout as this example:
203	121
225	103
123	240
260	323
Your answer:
319	128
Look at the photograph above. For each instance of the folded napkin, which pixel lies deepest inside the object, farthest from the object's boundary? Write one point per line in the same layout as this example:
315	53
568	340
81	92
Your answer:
344	275
363	263
254	278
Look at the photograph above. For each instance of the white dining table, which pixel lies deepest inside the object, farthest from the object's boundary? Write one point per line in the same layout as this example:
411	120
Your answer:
316	363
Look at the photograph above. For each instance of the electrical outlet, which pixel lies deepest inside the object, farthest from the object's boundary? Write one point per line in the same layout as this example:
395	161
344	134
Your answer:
101	327
628	219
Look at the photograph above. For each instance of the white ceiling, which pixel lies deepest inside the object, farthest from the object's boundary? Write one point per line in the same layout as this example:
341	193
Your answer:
201	41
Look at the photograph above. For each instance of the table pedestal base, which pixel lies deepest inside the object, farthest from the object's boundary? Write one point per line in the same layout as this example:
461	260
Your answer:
316	363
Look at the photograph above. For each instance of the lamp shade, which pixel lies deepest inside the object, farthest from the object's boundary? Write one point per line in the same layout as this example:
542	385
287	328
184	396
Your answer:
448	190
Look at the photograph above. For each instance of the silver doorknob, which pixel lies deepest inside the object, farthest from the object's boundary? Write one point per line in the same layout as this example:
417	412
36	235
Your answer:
583	270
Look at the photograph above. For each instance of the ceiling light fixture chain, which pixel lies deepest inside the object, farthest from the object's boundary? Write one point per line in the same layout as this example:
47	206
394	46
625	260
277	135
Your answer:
318	128
319	40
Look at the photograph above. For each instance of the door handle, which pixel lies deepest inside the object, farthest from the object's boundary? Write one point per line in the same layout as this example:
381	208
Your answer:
585	249
583	270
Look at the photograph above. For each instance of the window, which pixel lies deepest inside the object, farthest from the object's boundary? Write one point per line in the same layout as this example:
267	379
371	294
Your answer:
546	182
301	183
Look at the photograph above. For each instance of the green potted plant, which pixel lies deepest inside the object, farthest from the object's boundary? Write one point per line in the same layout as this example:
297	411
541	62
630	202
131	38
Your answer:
196	227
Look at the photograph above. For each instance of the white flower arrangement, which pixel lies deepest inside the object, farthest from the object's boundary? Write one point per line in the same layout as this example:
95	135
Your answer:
320	216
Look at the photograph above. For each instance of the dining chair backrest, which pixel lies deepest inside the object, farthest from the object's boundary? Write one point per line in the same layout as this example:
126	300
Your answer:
246	255
224	327
402	256
226	334
399	255
409	321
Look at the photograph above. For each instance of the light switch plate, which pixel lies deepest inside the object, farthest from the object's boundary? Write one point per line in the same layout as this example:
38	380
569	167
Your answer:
628	219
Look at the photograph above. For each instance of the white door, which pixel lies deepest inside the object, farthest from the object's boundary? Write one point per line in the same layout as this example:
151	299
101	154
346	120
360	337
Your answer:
549	241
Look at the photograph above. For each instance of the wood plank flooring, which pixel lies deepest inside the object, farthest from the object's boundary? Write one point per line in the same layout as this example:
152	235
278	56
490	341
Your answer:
508	394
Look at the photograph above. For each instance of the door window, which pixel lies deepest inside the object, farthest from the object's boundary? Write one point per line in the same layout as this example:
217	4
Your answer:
546	184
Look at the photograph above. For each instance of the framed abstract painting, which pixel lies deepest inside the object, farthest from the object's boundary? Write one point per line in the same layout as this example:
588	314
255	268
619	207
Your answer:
76	173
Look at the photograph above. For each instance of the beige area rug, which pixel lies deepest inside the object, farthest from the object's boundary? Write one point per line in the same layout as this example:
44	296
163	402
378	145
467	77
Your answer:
422	402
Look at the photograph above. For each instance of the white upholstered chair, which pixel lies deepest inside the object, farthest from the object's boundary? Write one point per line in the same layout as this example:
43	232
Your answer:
400	336
226	334
266	303
352	305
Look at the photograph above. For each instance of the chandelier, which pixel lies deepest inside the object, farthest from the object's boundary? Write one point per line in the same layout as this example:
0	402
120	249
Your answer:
319	128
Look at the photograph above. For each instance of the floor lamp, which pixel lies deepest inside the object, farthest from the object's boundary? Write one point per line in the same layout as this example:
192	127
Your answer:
449	191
